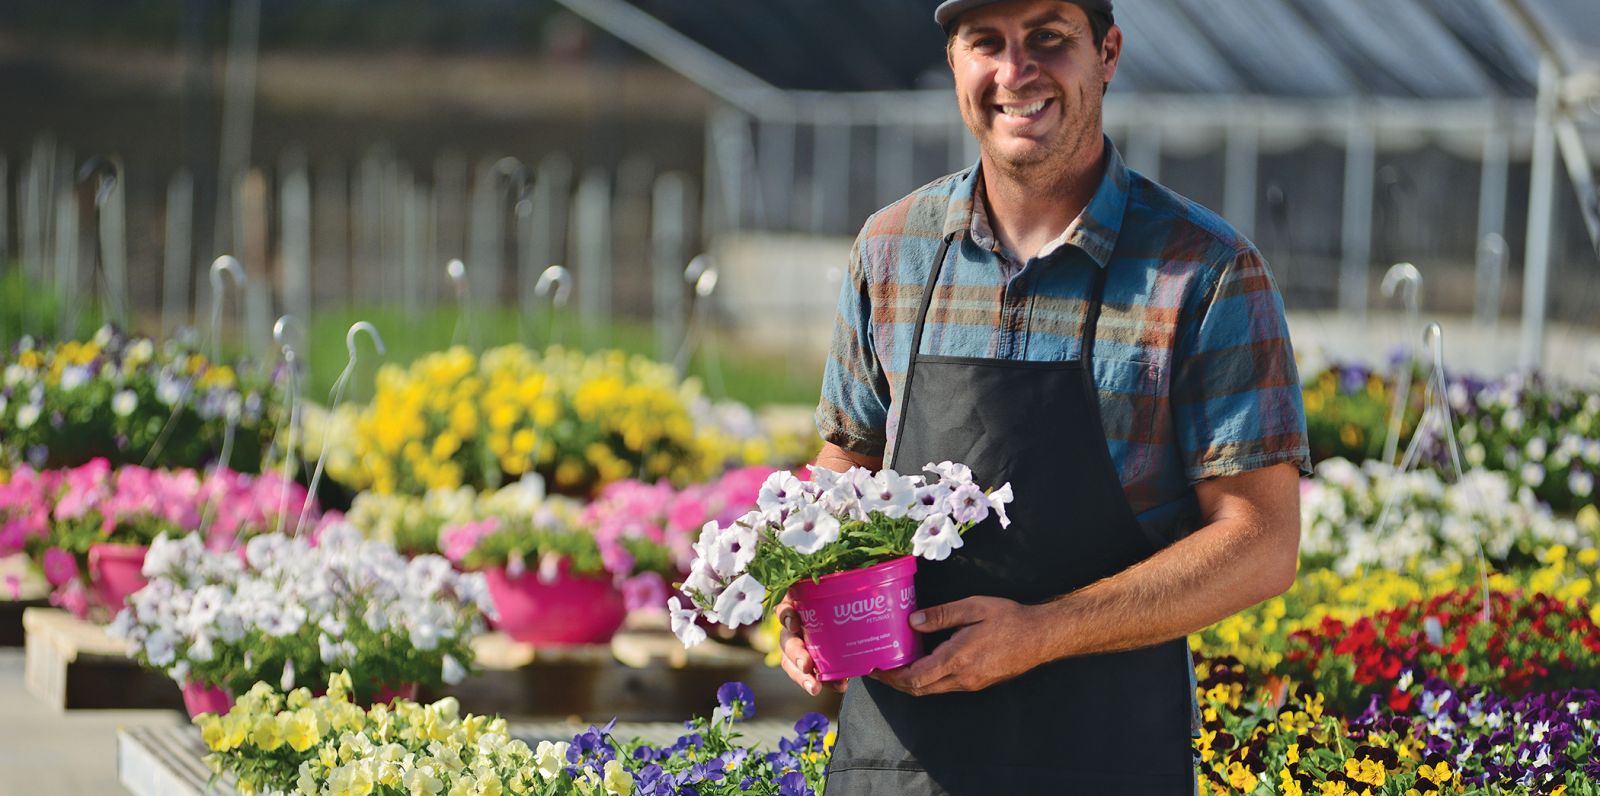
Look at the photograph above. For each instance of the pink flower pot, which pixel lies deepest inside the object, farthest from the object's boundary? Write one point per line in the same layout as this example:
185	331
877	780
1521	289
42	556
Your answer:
201	698
115	572
571	609
859	620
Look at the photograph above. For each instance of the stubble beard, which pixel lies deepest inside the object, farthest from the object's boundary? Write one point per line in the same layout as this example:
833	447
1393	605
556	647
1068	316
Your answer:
1051	165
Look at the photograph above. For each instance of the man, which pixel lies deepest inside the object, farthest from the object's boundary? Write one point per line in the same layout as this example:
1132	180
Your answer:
1119	355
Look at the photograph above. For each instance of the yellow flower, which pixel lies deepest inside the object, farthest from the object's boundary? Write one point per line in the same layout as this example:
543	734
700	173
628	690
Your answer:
267	735
1240	777
1438	775
1370	772
1588	556
299	729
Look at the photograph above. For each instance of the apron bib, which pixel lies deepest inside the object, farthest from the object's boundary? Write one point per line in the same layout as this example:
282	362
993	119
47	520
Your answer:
1114	723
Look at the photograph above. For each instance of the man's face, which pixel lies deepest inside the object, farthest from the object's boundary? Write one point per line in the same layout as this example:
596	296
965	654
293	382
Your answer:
1030	81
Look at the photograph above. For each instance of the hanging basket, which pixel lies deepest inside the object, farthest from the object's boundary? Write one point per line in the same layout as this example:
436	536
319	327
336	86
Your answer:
570	609
115	572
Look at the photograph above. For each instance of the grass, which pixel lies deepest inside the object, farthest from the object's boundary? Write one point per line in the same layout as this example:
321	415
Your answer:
750	377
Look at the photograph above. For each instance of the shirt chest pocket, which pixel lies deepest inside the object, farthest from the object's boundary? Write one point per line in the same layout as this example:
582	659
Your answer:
1133	398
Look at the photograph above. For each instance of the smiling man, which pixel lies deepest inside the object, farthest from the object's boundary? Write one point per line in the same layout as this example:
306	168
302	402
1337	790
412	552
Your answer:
1119	355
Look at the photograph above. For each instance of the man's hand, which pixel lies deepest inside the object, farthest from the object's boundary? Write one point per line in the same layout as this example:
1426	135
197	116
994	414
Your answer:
796	660
997	641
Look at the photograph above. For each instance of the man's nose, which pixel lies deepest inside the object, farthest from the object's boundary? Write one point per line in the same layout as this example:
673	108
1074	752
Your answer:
1017	66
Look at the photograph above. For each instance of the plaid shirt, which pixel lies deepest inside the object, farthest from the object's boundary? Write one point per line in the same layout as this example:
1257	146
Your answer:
1192	359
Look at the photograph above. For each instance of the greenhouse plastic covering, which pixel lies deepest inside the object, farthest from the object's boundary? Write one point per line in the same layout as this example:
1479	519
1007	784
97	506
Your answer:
1437	49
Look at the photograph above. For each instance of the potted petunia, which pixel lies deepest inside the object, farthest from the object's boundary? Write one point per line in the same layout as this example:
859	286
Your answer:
88	528
844	547
297	611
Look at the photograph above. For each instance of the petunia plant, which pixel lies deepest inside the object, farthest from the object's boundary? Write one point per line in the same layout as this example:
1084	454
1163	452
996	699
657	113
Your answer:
836	522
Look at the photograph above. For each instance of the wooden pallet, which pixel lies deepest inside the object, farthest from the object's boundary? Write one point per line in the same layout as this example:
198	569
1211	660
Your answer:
71	665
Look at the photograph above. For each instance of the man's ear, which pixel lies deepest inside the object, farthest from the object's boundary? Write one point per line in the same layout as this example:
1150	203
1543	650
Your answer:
1110	52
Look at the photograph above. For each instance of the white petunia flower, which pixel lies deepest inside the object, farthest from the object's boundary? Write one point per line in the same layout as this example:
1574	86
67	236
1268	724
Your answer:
968	504
953	472
741	603
684	623
809	530
780	489
935	538
997	503
888	493
287	681
454	672
733	550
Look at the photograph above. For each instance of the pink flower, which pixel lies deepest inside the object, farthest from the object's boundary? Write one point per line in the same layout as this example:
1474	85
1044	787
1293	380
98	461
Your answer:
72	597
456	541
645	590
688	510
85	488
59	566
617	560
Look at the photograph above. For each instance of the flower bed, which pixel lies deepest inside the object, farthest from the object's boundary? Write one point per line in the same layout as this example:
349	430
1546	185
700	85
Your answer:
1542	434
579	421
113	397
57	515
293	612
1442	739
1431	524
323	746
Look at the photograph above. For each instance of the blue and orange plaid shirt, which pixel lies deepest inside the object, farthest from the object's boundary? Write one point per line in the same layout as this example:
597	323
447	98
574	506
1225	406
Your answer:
1192	358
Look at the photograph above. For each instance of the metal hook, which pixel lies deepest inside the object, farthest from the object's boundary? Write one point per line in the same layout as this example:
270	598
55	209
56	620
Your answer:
518	179
372	331
1433	336
458	275
280	332
1407	274
227	263
108	178
561	278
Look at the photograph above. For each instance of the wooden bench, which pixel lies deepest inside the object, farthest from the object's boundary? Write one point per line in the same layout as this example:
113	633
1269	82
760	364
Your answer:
72	665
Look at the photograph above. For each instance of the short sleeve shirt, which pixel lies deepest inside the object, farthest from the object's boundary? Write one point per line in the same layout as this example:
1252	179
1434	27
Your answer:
1192	359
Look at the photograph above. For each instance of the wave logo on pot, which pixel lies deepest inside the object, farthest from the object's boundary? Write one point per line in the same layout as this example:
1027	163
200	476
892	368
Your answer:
857	610
809	618
908	598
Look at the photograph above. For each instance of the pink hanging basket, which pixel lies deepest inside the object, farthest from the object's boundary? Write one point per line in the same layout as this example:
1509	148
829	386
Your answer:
200	698
571	609
115	572
859	621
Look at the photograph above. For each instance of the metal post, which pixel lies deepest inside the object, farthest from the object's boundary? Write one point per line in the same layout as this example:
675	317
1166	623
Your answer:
111	223
776	156
1541	218
667	231
1356	239
449	214
177	268
295	257
1491	273
258	316
486	240
1239	178
331	230
238	114
414	201
66	264
1144	143
552	190
830	168
592	219
895	147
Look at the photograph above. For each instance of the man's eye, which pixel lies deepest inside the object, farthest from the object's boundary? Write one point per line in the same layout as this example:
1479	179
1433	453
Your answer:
1048	38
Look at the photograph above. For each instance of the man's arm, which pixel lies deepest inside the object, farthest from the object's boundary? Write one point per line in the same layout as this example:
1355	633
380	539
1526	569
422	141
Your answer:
1246	551
839	460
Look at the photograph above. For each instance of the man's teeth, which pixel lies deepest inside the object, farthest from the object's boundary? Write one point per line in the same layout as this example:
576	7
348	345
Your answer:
1023	110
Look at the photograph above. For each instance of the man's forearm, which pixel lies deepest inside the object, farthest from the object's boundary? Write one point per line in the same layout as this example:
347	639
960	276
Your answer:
839	460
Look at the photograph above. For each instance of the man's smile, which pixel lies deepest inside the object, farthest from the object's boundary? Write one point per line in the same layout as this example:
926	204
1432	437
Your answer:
1021	110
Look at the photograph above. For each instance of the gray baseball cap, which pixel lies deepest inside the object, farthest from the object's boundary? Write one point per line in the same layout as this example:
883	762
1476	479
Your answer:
950	9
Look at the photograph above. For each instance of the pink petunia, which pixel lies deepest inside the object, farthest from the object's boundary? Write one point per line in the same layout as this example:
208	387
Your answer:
59	566
86	486
456	541
645	590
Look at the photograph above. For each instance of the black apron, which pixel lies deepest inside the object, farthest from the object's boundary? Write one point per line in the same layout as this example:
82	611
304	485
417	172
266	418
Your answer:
1115	723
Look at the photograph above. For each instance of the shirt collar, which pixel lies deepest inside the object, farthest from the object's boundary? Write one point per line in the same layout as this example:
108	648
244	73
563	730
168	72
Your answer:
1095	230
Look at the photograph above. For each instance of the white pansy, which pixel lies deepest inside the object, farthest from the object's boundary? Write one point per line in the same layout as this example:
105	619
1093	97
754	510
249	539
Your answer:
1580	483
935	538
124	402
75	376
741	602
809	530
1536	449
1532	474
27	415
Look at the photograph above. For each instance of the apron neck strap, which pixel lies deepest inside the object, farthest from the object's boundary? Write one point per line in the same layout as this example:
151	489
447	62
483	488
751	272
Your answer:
1091	313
